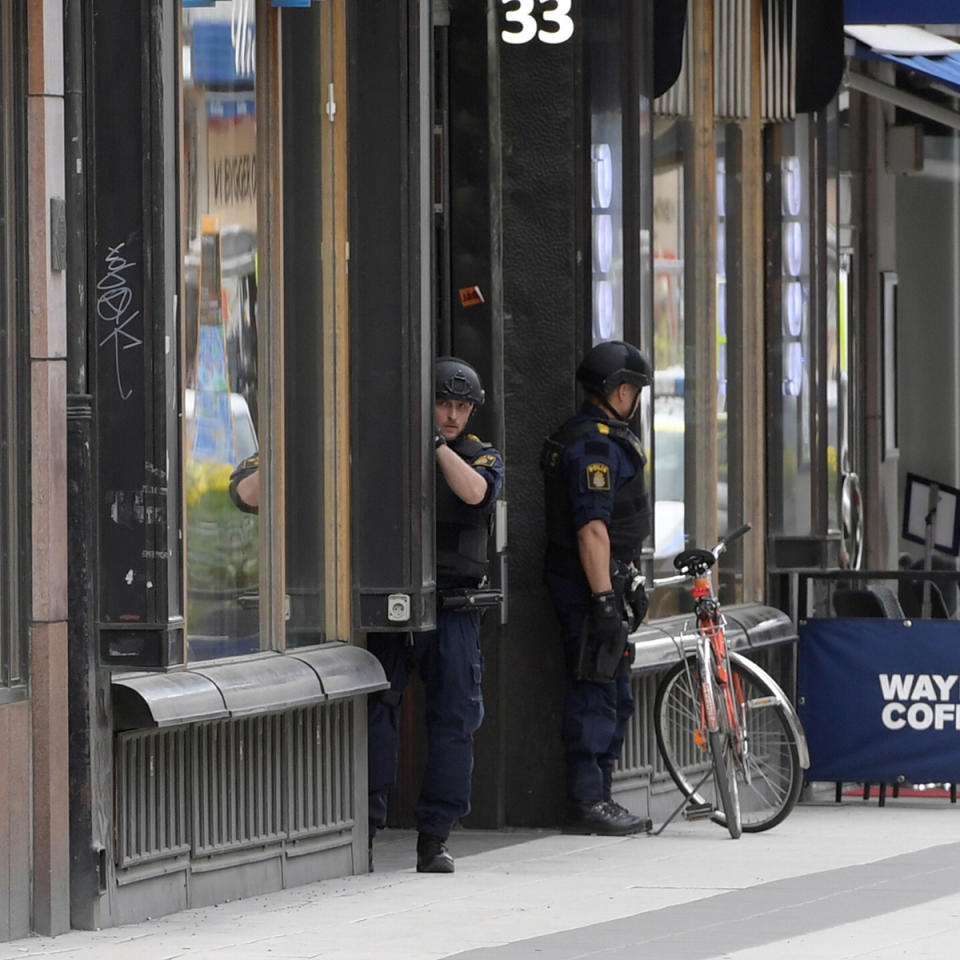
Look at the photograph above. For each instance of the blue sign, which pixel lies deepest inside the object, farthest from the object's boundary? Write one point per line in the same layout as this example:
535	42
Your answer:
213	439
880	699
899	11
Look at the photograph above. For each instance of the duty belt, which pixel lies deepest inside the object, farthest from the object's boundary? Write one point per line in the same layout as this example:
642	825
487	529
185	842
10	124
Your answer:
466	598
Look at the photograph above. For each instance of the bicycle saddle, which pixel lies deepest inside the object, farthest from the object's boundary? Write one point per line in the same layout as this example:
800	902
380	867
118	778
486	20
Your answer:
687	561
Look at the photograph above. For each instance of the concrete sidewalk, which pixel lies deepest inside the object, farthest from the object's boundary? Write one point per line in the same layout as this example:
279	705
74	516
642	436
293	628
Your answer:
847	880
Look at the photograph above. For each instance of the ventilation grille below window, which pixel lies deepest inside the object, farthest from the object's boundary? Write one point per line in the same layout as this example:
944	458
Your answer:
233	784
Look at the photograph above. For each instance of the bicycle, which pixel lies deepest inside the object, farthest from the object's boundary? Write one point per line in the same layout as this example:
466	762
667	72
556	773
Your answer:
716	702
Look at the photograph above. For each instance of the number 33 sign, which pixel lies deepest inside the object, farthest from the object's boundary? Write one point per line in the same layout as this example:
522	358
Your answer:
559	27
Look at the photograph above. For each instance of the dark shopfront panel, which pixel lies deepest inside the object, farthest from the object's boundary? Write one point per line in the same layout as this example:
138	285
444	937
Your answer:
809	372
525	218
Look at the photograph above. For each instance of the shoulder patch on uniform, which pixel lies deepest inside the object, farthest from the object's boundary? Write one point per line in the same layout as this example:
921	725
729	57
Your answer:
598	476
476	439
603	427
486	460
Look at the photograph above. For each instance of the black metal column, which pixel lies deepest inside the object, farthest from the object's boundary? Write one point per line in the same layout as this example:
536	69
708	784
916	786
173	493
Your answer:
392	459
132	282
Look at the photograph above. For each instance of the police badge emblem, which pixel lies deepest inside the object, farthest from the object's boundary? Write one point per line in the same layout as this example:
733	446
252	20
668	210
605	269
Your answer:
598	477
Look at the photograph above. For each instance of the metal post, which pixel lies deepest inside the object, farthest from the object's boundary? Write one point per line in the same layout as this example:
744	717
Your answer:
931	522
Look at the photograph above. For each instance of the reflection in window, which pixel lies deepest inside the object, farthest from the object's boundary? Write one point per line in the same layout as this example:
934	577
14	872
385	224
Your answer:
607	233
220	324
723	446
793	406
669	377
604	81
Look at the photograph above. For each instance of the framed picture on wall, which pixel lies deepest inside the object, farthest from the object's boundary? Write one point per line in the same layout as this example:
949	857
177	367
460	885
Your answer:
888	302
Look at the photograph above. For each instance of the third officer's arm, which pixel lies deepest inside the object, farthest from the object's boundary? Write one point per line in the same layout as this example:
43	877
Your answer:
593	542
592	468
468	483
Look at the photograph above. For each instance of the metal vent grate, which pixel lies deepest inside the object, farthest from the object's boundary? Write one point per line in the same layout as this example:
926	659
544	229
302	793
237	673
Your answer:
215	787
151	788
779	60
321	790
640	742
731	70
237	776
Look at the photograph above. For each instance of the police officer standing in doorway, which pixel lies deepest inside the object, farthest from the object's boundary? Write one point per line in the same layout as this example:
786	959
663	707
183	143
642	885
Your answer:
469	477
597	515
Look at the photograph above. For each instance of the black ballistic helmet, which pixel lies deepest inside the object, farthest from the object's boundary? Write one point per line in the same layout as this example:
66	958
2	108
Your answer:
458	380
611	363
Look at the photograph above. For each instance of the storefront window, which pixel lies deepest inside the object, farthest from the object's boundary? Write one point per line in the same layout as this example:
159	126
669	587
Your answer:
833	325
607	172
264	327
723	424
792	400
669	337
220	324
733	378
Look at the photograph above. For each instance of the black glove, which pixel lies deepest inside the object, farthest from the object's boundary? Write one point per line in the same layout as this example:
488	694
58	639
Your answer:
605	618
637	602
439	440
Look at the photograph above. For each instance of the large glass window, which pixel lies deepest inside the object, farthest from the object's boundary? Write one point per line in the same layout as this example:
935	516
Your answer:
604	78
221	265
669	337
264	329
734	375
723	340
675	385
793	454
12	267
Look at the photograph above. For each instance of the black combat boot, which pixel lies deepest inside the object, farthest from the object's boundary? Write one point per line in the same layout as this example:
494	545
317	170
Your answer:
644	824
602	818
432	855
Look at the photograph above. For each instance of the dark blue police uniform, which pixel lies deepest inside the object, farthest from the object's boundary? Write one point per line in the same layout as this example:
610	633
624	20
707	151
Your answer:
448	660
598	475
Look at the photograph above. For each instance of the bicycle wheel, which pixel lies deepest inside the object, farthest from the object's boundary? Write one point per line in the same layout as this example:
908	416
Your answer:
725	747
769	777
725	780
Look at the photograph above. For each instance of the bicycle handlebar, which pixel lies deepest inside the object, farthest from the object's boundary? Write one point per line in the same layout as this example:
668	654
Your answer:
716	551
729	538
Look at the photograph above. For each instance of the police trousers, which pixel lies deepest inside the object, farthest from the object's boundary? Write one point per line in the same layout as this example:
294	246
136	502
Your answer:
449	662
595	715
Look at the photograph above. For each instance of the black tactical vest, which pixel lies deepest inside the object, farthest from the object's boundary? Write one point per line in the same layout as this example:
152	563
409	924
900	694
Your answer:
630	522
462	530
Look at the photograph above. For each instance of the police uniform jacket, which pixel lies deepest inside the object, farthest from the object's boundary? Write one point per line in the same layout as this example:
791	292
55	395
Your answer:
462	528
593	470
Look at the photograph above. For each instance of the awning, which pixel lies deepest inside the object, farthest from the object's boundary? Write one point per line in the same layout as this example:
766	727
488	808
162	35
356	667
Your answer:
911	47
266	683
893	11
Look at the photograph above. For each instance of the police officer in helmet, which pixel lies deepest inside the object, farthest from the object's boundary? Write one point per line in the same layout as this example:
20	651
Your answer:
469	477
597	516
